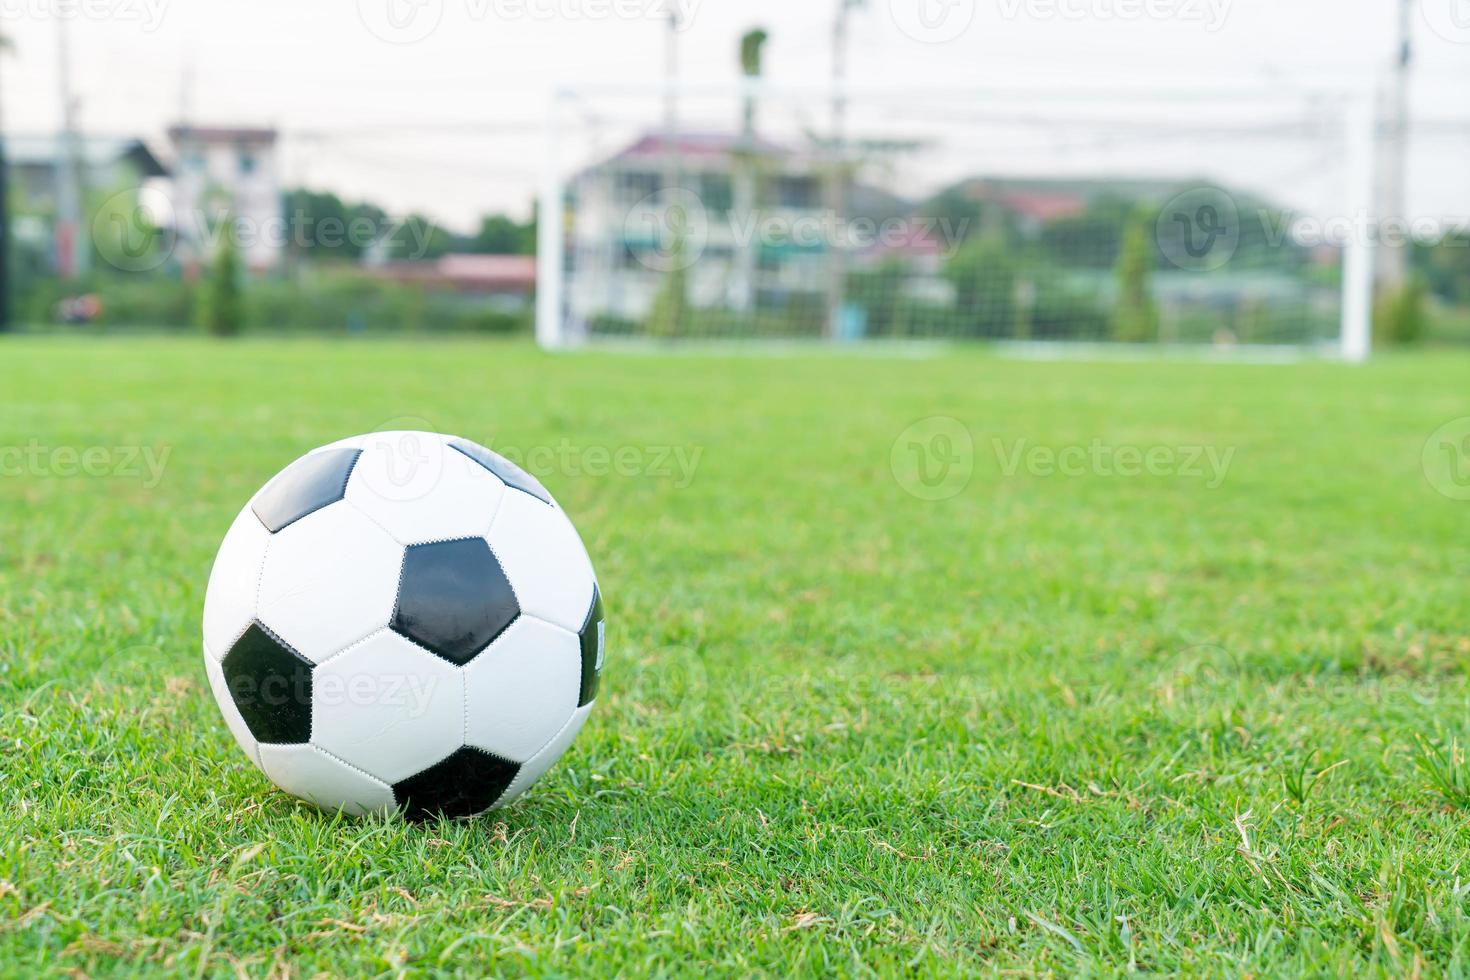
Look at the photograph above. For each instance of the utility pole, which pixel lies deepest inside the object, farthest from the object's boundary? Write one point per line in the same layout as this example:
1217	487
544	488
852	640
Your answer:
671	97
672	205
836	256
71	257
1392	258
745	194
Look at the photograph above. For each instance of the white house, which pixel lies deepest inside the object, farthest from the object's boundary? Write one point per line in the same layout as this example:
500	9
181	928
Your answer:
228	171
741	215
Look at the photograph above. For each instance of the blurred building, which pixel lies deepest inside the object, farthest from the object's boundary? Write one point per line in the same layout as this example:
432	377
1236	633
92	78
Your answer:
108	166
228	172
731	191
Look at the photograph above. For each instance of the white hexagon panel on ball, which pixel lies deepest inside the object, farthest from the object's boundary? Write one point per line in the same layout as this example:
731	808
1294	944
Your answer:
418	489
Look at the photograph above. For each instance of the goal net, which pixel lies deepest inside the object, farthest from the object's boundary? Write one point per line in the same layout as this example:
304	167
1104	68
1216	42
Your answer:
1162	217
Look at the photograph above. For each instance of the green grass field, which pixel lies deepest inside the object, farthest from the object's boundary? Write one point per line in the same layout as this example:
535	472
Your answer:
1195	719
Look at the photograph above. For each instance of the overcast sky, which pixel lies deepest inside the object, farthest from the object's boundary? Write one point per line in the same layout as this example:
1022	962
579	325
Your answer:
336	76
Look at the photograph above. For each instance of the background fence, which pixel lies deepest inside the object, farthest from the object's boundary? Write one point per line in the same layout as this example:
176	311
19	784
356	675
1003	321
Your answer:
1220	218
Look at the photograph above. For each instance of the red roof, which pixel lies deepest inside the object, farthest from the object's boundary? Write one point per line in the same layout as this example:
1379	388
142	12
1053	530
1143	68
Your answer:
1042	205
223	134
485	273
919	239
695	145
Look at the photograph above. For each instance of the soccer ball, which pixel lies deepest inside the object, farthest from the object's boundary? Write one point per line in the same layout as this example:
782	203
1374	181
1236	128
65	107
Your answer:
403	620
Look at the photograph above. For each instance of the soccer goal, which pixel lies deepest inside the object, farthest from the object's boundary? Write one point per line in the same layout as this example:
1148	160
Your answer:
1153	217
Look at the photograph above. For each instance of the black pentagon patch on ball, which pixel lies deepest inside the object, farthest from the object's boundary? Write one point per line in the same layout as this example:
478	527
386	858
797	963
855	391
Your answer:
510	474
465	783
271	685
593	638
306	486
453	598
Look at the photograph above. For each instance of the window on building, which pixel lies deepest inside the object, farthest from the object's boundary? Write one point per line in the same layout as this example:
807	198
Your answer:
635	185
715	190
798	192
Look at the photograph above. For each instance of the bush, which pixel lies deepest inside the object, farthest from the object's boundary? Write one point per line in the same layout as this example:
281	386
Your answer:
336	301
1135	317
222	305
1399	315
138	301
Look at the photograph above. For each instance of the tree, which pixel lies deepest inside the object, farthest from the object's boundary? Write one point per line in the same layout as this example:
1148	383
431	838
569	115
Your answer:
1135	317
751	45
879	291
666	318
222	311
417	237
745	179
1445	265
983	274
323	227
1400	317
969	216
1093	238
501	234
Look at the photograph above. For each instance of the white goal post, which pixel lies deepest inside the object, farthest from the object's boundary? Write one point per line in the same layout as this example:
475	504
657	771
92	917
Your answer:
1170	217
